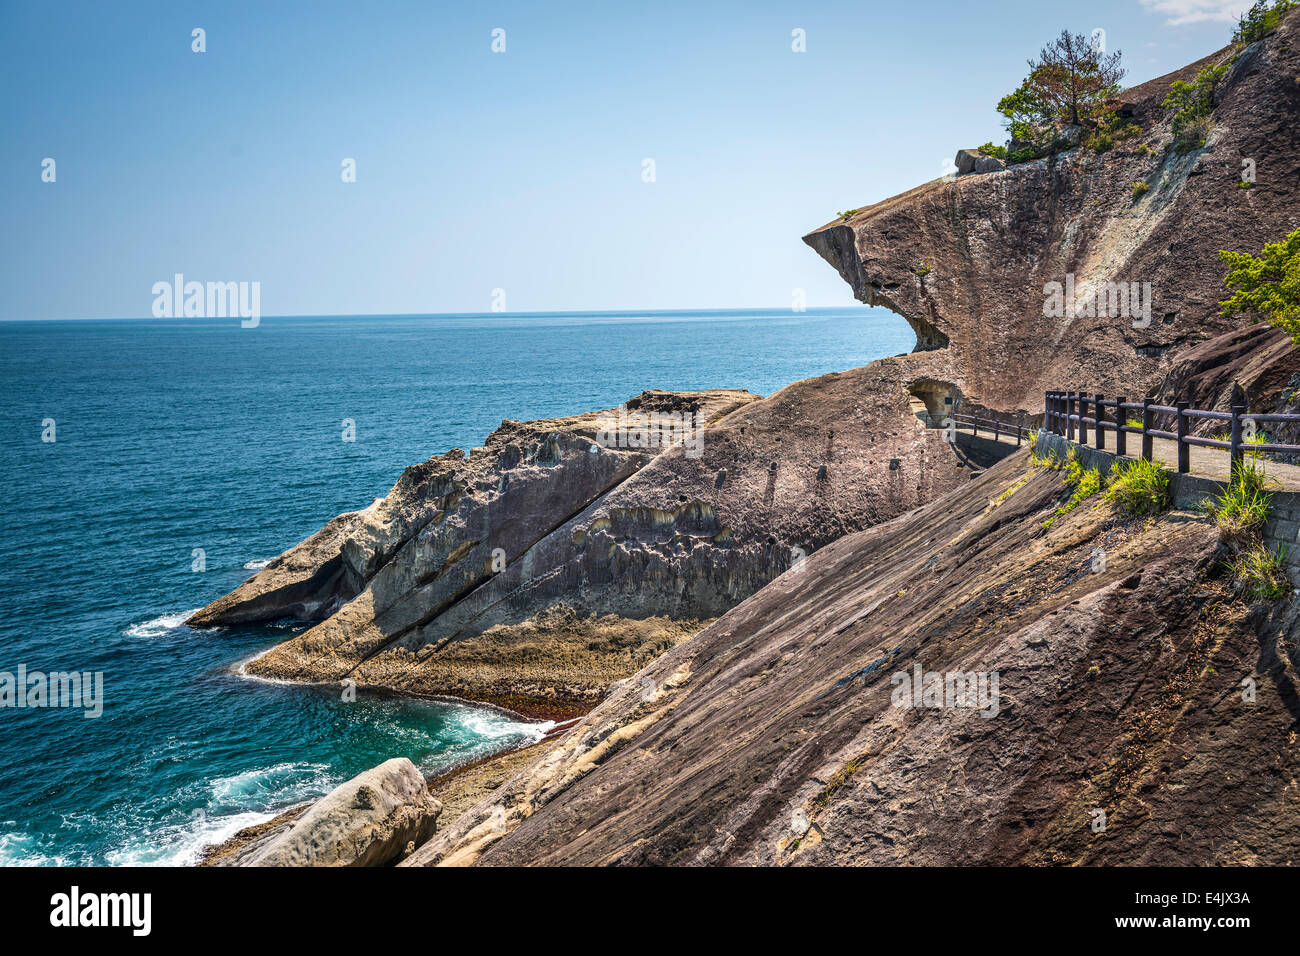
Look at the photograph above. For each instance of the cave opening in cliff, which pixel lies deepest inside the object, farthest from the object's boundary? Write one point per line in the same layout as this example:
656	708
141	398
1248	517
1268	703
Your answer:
932	401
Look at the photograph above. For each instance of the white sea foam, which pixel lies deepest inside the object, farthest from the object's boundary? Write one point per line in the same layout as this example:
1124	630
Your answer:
278	784
237	801
21	849
160	625
258	564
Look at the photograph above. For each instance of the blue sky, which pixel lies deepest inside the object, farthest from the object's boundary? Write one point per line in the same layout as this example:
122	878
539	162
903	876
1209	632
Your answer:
477	170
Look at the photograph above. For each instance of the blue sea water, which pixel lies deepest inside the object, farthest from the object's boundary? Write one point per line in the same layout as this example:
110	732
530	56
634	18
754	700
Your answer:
176	435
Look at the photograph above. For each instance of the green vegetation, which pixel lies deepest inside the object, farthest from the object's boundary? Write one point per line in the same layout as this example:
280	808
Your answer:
1240	514
1071	84
1139	487
1044	461
1007	492
1268	284
921	269
1191	104
847	214
1140	189
1111	130
997	152
1262	573
1242	510
1244	185
1134	423
1261	20
1083	482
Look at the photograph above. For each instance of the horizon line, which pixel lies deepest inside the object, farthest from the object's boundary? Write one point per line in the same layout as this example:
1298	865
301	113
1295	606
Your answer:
436	315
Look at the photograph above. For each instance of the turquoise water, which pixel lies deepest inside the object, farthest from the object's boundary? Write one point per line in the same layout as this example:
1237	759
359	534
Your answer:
176	435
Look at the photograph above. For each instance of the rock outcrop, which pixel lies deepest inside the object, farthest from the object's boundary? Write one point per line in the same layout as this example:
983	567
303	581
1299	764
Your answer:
837	545
371	820
966	260
545	566
776	735
973	161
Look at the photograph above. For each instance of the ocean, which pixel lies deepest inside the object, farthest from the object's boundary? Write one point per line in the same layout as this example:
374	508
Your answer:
186	453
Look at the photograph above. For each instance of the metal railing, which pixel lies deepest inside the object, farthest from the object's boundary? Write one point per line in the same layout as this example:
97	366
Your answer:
1068	412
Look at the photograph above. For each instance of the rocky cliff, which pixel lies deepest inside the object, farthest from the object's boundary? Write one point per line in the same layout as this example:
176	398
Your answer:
549	563
1116	729
965	260
1144	712
552	571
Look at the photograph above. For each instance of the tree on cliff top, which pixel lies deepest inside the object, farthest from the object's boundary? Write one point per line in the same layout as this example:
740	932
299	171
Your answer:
1262	19
1070	84
1267	284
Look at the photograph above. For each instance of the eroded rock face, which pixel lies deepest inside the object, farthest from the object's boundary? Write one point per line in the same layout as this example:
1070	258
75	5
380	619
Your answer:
534	573
371	820
775	737
1256	367
966	261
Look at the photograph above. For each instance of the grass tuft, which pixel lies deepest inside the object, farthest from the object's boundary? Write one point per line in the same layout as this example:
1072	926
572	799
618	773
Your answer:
1261	573
1084	482
1242	510
1139	488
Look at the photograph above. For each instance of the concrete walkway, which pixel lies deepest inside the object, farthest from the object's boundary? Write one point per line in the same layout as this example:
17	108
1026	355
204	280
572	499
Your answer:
1212	463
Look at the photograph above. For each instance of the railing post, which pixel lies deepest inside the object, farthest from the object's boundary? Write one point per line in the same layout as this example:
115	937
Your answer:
997	429
1069	416
1184	449
1235	436
1121	444
1146	428
1083	413
1101	429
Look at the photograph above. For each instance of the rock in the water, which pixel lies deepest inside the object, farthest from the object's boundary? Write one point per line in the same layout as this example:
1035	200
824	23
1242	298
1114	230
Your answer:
368	821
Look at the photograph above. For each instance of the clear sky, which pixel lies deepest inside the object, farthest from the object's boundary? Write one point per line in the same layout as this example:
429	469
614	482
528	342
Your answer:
476	170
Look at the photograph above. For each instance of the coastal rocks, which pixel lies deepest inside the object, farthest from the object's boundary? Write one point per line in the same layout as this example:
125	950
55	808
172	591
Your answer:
777	736
966	260
533	574
371	820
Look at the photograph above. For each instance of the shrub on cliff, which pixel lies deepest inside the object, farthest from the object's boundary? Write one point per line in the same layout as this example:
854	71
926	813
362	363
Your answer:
1069	85
1267	284
1191	104
1262	19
